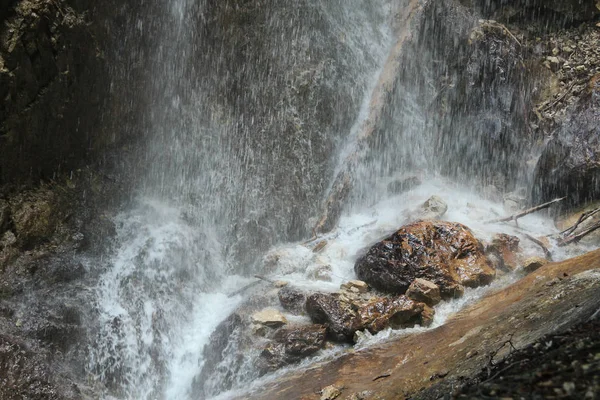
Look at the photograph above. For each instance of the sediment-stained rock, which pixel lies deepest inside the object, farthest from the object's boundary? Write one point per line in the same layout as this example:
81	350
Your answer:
444	253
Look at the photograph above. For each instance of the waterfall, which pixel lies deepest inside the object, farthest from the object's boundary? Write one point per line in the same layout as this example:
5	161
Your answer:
244	108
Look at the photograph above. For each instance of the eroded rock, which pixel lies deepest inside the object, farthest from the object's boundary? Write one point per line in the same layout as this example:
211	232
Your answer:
444	253
433	208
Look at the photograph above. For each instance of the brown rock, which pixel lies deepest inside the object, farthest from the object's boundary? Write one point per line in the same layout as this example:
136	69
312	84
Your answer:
444	253
533	263
427	316
358	286
339	315
506	247
424	291
269	317
382	312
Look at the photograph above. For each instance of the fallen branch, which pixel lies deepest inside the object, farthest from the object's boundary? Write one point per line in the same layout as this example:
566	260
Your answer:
515	217
579	236
541	244
586	215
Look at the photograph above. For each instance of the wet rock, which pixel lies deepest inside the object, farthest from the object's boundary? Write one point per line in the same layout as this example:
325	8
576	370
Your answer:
292	299
533	263
383	312
355	286
403	185
424	291
4	215
290	345
35	217
339	315
427	316
444	253
269	317
320	272
578	10
433	208
570	162
506	247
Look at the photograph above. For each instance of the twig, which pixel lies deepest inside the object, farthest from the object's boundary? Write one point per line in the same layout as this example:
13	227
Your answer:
541	244
264	278
381	377
503	370
248	286
579	236
515	217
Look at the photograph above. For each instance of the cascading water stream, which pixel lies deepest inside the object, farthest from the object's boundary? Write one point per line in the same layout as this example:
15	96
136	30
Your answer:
249	109
212	196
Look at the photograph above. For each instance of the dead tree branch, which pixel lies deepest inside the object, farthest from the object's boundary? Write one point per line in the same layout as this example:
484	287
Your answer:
515	217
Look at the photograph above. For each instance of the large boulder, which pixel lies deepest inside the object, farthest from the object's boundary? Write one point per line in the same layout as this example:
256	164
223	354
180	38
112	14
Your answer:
444	253
570	162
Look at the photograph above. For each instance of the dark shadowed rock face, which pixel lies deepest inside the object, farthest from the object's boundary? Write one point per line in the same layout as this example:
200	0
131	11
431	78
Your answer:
444	253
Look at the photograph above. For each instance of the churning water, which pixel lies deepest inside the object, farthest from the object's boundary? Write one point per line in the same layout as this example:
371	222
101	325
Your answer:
249	106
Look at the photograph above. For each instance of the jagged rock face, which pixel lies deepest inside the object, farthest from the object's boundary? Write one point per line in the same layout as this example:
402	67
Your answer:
52	84
444	253
570	163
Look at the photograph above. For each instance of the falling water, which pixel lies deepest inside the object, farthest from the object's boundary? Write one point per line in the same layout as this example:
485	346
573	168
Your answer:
250	111
241	132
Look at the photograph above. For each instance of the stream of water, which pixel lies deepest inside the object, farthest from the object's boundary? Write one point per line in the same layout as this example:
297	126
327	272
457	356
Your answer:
237	170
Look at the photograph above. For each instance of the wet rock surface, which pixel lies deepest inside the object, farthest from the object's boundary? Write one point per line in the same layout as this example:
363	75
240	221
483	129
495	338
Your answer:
291	345
444	253
292	299
337	313
550	301
424	291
